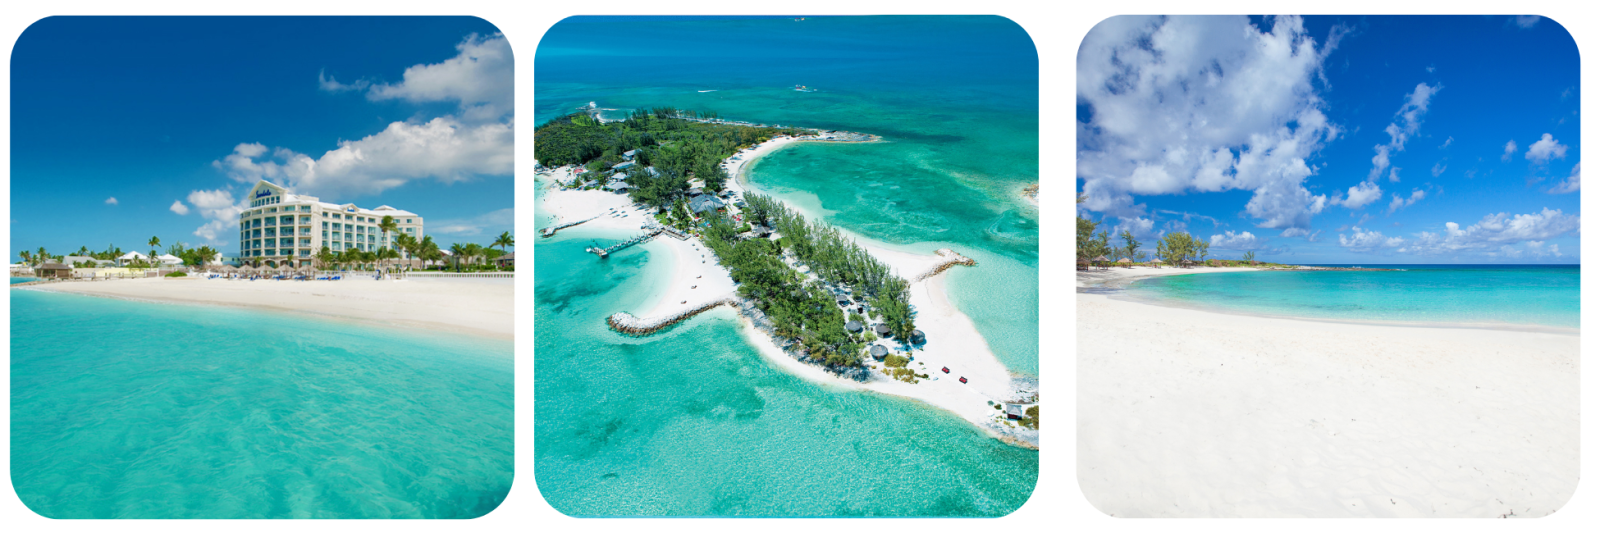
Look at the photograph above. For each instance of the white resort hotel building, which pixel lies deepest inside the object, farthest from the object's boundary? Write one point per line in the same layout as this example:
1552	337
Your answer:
282	228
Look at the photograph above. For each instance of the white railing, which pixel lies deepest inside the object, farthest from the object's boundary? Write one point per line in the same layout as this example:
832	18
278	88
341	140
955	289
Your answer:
433	274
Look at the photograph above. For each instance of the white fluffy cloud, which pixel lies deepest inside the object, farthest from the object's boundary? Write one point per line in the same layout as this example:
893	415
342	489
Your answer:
1568	185
442	149
1401	202
1359	196
111	201
1511	148
1545	149
1407	121
179	208
222	212
1366	241
1241	241
1447	142
1496	230
479	77
1139	227
1205	104
1438	168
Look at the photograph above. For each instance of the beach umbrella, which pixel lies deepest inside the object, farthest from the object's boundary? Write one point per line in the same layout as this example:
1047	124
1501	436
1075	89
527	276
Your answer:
1126	261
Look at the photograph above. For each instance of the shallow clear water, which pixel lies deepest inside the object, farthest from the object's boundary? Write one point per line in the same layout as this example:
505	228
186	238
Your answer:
136	410
693	422
15	280
1508	295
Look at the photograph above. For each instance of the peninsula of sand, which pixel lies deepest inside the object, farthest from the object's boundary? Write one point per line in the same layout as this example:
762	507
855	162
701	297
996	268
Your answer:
475	307
1191	413
698	282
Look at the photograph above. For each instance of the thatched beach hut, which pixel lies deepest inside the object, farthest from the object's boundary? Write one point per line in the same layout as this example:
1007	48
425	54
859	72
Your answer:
1125	262
1083	264
1101	261
878	352
882	330
853	326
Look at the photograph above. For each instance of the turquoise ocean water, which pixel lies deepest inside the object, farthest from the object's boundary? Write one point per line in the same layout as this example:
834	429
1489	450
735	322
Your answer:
15	280
136	410
693	422
1541	296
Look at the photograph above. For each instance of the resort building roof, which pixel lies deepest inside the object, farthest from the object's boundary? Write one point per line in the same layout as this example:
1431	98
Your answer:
705	202
853	326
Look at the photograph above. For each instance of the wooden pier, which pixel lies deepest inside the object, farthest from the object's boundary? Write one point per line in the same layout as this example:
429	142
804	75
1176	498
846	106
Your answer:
607	251
552	231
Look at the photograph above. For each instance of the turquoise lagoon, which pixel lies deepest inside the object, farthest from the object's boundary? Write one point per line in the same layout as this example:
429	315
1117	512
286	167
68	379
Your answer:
692	422
1500	296
137	410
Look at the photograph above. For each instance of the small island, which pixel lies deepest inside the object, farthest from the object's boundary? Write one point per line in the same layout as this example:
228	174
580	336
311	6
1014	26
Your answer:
814	300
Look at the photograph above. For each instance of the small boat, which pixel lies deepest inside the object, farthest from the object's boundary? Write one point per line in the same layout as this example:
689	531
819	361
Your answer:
963	380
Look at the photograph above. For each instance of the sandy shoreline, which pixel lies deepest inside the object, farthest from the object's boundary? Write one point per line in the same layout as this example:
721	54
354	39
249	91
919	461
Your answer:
1184	412
953	340
475	307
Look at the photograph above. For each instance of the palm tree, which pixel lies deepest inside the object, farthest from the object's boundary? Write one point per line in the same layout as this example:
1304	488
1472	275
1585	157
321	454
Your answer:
503	241
154	242
42	256
456	251
82	250
388	226
27	257
428	249
408	244
325	256
473	252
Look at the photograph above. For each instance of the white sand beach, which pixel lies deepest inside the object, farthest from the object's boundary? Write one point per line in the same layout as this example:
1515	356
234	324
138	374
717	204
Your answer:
1189	413
478	307
952	340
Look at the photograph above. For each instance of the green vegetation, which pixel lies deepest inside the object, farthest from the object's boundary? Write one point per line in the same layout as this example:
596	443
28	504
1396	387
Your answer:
802	311
668	140
838	260
176	274
1250	257
1031	420
1178	246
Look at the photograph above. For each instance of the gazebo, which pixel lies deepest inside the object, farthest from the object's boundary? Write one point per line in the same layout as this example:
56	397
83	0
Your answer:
53	270
1125	262
878	352
882	330
853	326
1099	261
1187	263
1083	264
1155	263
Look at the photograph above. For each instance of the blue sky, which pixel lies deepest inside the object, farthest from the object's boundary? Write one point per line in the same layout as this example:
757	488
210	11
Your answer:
176	118
1337	139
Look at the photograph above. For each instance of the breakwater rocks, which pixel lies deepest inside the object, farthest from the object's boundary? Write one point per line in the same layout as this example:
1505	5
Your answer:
627	324
949	259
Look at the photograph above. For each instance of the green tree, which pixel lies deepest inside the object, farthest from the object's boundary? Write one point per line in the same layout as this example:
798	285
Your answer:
1250	257
1086	229
154	242
1131	246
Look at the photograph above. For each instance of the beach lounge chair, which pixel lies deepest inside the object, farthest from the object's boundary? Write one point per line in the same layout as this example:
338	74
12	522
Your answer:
963	380
946	370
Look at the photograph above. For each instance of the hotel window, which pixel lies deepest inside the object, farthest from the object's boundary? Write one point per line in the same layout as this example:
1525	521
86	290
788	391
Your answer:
304	253
255	233
408	221
305	231
305	209
324	235
272	221
271	252
306	221
287	220
324	224
305	242
255	223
